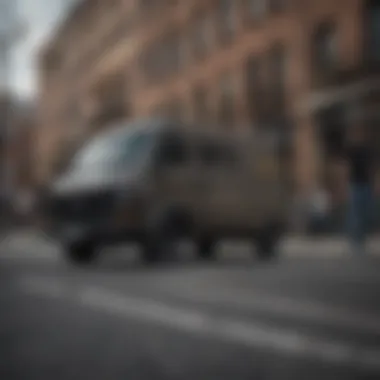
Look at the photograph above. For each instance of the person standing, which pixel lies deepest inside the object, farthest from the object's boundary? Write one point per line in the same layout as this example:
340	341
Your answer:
359	164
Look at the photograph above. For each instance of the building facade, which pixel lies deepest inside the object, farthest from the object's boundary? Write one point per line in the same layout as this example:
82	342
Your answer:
225	63
20	148
17	164
22	159
6	112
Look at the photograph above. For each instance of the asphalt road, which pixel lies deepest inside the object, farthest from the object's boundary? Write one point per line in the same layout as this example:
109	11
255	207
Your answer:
304	317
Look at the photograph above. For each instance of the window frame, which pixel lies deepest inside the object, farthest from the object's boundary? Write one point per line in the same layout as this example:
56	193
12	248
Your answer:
325	48
226	108
227	20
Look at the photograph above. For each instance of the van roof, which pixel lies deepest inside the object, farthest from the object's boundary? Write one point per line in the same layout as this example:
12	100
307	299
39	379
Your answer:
159	125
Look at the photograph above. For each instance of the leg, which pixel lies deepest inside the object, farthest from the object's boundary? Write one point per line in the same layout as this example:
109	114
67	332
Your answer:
354	218
367	210
359	215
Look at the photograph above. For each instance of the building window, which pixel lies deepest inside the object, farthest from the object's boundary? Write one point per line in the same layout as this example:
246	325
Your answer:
372	15
175	110
149	64
227	19
202	36
172	110
162	59
112	99
278	5
226	112
147	5
200	109
120	33
257	9
184	51
325	48
170	52
254	90
277	75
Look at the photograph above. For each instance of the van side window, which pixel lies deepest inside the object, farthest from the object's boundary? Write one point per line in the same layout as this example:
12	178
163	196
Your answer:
209	154
173	150
213	154
230	156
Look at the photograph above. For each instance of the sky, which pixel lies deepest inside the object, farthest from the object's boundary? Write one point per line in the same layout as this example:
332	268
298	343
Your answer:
40	17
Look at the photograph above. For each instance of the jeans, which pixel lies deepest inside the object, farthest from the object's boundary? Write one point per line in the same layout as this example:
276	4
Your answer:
359	213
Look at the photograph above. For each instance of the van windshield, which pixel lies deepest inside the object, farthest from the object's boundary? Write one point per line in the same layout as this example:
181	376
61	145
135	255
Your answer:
116	152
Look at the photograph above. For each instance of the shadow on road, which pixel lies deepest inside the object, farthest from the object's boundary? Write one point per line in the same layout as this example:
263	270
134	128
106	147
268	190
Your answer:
110	263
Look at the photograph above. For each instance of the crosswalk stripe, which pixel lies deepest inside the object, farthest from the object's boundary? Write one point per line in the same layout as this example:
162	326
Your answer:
191	320
33	245
283	306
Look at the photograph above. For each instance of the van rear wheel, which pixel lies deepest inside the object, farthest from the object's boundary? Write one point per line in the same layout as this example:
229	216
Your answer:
267	244
206	249
156	248
80	253
266	250
161	240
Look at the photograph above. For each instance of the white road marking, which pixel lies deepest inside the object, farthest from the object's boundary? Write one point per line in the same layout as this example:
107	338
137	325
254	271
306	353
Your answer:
32	245
251	334
42	287
282	306
27	255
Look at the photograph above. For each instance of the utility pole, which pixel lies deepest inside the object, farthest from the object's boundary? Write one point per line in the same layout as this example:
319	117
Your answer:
11	31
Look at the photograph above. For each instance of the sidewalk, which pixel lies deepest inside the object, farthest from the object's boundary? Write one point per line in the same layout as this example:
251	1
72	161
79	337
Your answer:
27	238
290	246
324	245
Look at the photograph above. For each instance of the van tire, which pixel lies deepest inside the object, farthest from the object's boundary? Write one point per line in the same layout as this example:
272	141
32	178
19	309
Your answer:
80	253
267	245
206	250
157	248
150	252
160	238
266	250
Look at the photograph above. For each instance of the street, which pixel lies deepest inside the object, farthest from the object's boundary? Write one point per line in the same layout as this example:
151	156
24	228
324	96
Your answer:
307	316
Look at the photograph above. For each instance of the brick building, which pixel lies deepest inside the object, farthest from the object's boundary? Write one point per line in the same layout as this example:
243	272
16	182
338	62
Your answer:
226	63
17	166
6	110
21	147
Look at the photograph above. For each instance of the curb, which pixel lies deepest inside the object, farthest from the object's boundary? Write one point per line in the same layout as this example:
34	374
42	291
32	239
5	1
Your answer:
291	245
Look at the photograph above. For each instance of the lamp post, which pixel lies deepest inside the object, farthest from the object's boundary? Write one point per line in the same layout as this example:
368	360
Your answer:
11	31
